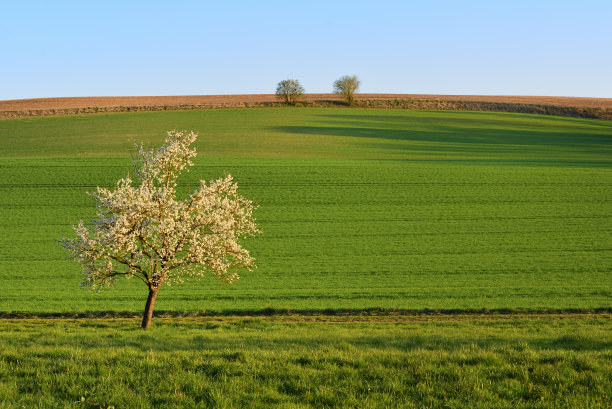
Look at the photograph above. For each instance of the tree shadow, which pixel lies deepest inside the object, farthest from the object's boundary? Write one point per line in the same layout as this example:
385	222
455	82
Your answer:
475	130
473	117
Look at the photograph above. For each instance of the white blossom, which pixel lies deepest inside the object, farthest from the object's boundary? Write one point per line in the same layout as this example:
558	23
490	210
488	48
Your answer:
143	231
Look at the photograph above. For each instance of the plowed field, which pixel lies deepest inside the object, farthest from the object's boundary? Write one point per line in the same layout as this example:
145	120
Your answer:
215	100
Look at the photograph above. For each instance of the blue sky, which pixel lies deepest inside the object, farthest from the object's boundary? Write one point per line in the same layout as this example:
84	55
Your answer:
82	48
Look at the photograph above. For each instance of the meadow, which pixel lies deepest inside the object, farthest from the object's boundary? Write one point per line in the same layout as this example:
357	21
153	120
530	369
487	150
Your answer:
298	362
359	208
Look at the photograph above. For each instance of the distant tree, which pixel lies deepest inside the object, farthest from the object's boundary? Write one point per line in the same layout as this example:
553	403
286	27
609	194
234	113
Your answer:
289	91
144	231
347	86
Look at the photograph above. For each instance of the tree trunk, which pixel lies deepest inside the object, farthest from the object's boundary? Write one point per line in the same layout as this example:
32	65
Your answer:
148	312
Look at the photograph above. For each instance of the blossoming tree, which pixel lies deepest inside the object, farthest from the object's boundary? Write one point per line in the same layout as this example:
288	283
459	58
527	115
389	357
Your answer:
142	230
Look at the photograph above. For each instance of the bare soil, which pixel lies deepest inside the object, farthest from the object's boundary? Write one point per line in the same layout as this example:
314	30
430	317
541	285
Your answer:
44	104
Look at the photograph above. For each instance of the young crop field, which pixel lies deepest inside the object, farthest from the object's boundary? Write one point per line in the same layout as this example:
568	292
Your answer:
358	208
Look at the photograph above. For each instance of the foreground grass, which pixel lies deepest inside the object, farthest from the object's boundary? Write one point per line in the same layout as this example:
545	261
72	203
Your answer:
443	362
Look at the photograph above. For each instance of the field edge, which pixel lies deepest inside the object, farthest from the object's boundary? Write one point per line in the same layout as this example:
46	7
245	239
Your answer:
315	313
538	106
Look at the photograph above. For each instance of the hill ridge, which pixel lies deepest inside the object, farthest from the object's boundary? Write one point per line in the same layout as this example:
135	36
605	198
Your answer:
562	106
112	101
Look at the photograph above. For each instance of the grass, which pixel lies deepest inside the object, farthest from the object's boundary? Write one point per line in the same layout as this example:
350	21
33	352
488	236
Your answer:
359	208
325	132
362	211
295	362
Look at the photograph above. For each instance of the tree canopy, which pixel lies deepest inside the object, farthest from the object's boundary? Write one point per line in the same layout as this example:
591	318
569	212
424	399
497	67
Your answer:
142	230
289	91
347	86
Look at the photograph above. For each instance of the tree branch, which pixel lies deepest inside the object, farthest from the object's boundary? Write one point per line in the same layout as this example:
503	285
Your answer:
123	261
117	273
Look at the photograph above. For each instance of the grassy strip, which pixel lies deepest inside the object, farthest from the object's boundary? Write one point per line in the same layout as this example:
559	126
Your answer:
287	362
416	104
290	312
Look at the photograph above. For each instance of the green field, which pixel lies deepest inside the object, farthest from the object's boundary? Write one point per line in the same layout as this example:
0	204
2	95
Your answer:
511	362
359	208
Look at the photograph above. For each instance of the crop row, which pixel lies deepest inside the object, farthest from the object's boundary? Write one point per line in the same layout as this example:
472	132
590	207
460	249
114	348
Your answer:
343	234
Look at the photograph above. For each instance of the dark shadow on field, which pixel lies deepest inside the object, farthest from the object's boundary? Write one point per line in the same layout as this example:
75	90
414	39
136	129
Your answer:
475	118
453	120
460	130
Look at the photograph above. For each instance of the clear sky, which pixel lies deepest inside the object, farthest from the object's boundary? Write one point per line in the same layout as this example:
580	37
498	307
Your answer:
511	47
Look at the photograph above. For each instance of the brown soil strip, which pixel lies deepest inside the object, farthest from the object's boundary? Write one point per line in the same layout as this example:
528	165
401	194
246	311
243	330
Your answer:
216	100
600	108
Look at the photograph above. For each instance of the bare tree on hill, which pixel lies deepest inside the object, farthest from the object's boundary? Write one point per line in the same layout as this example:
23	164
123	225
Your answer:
347	86
289	91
